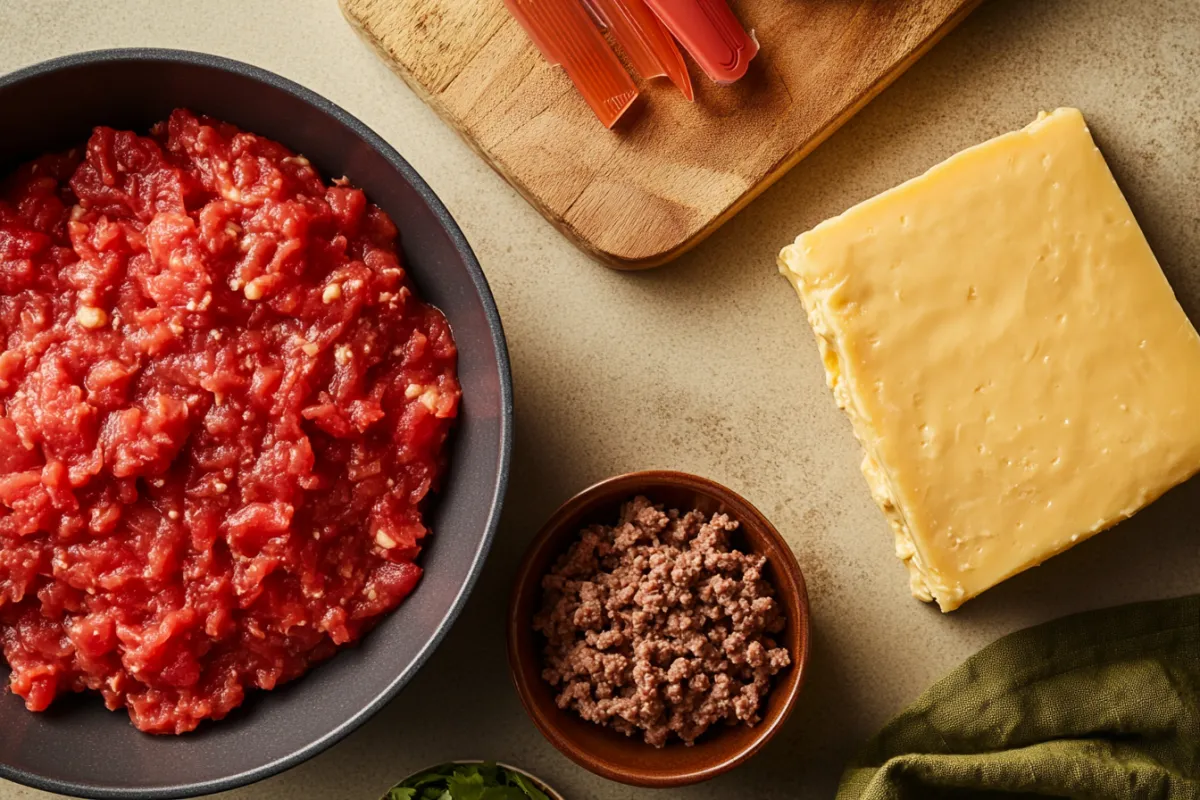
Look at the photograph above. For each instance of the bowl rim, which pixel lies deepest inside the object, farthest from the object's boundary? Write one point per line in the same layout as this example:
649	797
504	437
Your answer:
526	580
150	55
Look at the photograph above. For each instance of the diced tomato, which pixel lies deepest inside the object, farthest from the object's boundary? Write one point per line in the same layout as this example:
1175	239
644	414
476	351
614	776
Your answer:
221	408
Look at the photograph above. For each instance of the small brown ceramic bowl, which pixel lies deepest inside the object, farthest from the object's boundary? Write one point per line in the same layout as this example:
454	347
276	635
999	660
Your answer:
603	750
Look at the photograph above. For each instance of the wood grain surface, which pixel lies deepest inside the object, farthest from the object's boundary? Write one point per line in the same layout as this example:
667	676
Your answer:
672	171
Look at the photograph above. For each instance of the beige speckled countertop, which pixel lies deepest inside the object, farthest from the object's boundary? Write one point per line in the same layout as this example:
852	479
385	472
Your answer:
707	364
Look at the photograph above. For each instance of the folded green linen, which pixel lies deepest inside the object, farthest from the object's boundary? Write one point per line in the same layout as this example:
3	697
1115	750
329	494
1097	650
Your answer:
1102	705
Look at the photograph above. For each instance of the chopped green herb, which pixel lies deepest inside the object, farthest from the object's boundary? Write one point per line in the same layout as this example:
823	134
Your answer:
526	785
486	781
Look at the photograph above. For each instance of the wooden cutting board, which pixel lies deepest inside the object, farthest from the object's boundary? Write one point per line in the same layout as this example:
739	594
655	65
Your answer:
673	171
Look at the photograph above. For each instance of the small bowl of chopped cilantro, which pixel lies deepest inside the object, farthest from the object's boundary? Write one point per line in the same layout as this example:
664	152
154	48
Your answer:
471	780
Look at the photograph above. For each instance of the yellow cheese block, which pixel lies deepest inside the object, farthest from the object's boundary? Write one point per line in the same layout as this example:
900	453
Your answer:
1011	355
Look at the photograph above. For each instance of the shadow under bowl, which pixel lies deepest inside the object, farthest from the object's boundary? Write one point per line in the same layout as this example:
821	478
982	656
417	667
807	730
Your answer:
603	750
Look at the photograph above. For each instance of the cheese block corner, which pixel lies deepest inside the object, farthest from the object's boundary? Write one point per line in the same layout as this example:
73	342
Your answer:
1009	353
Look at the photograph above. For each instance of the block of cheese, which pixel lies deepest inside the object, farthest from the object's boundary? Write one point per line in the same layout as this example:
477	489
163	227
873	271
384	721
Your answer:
1010	354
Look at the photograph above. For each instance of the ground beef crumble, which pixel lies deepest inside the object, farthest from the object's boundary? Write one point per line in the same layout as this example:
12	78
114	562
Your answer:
658	625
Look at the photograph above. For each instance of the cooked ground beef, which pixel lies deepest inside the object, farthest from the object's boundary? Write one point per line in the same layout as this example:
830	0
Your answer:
657	625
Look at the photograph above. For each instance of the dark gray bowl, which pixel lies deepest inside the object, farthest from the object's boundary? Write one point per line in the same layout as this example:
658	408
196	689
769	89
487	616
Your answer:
78	747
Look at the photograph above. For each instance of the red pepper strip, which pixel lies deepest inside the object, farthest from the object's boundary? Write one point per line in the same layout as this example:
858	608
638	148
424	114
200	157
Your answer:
566	35
645	40
709	31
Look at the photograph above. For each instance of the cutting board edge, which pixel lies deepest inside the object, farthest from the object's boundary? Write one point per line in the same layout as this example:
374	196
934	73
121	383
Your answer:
431	100
673	251
785	166
393	64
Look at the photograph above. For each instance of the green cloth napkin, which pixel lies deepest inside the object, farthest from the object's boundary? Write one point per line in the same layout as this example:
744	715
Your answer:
1102	705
